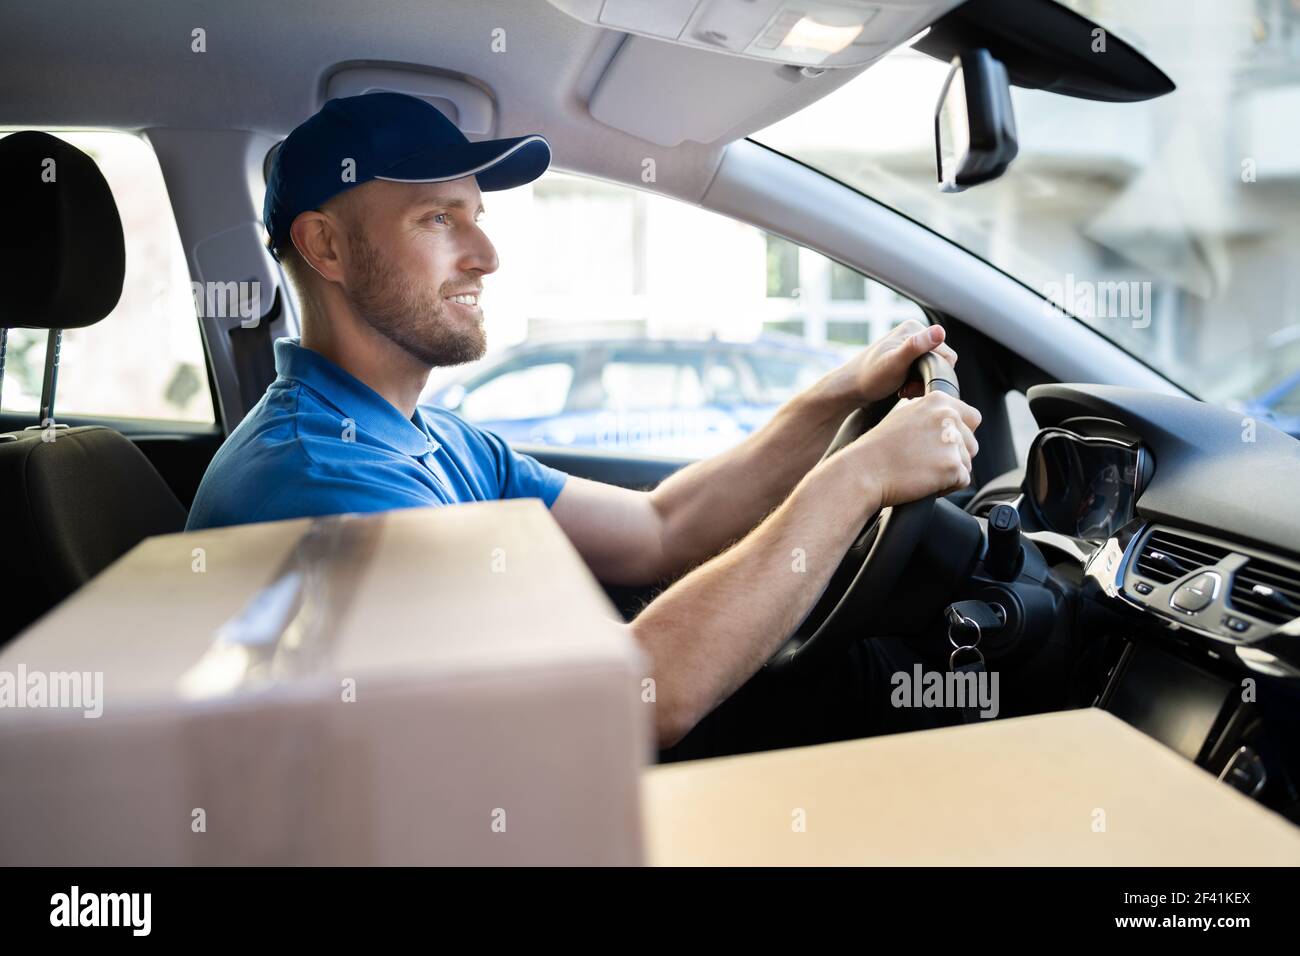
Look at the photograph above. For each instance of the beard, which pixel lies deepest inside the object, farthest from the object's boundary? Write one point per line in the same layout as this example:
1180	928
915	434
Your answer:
412	317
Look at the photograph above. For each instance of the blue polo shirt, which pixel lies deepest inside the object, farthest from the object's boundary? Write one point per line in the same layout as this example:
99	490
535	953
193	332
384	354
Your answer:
322	442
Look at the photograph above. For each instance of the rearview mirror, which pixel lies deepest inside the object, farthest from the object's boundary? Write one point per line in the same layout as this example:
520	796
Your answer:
974	128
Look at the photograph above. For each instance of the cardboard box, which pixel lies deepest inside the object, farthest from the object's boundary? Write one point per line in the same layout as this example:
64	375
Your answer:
450	686
428	686
1075	788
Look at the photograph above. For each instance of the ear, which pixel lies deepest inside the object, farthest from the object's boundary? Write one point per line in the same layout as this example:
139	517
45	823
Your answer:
318	239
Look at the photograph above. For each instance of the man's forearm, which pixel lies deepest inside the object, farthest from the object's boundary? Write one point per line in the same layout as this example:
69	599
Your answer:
709	504
716	626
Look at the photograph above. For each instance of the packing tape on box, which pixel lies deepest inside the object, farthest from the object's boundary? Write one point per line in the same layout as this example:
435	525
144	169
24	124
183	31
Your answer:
288	628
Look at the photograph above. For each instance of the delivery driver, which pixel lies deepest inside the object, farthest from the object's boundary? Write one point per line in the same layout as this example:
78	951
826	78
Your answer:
373	208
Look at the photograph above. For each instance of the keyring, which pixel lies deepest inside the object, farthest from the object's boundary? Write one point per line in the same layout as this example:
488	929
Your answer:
952	659
972	623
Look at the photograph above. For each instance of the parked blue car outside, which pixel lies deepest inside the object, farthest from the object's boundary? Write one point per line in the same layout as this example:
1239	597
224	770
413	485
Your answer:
686	398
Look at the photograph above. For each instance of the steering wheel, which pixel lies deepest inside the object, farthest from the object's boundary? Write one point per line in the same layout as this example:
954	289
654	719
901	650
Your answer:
873	563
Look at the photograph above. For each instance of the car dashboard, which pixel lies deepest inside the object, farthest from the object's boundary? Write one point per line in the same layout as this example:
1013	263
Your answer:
1182	511
1177	525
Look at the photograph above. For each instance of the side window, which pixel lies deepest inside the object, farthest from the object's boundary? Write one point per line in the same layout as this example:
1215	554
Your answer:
532	391
693	327
145	359
722	382
632	381
780	377
820	301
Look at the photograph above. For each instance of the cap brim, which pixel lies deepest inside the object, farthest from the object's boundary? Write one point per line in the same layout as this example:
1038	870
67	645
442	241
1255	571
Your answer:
497	163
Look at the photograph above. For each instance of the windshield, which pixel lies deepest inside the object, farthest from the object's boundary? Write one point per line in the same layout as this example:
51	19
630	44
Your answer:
1171	226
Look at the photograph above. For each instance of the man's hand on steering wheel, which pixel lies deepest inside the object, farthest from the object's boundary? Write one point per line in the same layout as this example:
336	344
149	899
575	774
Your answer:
922	447
881	369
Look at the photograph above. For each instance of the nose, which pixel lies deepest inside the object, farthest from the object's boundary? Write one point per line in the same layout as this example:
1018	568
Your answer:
480	255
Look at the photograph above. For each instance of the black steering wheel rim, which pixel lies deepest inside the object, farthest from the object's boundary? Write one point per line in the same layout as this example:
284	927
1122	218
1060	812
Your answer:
875	561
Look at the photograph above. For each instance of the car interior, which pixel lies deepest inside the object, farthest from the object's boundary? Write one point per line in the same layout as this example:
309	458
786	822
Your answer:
1137	550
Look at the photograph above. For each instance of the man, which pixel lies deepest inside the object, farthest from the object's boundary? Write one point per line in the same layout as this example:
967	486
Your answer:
373	207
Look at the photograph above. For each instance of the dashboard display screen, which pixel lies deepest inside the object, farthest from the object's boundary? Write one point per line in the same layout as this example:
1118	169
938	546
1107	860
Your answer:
1082	487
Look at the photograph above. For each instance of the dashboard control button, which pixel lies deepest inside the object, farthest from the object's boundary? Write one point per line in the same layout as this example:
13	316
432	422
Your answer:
1196	594
1143	588
1236	624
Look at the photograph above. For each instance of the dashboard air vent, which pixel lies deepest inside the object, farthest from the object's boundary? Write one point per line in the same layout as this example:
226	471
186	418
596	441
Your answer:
1269	591
1167	556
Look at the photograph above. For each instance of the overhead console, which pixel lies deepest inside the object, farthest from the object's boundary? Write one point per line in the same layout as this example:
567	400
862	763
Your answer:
716	70
713	71
811	33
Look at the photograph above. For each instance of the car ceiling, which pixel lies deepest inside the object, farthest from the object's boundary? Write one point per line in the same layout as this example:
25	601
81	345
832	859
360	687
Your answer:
129	66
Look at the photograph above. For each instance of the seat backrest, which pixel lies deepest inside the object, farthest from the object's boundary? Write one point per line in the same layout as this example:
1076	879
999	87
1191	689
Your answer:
73	506
74	500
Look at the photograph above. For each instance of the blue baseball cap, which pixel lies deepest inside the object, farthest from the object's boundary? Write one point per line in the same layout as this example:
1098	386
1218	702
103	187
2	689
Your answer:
388	136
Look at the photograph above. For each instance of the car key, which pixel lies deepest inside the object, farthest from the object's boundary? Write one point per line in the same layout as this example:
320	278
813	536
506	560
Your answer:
978	616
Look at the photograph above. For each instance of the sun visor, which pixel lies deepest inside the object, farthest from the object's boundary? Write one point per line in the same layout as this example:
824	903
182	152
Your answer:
653	91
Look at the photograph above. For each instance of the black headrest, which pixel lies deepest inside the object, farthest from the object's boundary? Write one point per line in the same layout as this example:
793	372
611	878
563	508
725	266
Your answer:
62	257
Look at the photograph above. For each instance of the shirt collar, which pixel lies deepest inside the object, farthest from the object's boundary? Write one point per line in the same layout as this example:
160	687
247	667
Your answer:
351	397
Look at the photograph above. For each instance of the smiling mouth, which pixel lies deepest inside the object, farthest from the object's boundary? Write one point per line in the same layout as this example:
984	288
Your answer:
470	299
